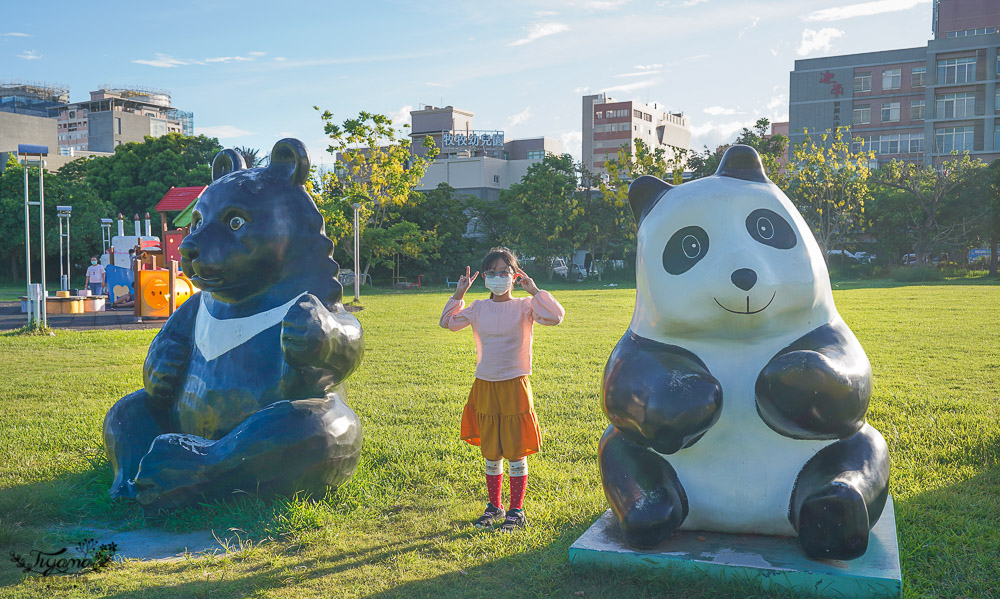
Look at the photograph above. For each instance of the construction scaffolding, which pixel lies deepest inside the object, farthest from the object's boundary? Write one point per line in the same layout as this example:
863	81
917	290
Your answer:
33	98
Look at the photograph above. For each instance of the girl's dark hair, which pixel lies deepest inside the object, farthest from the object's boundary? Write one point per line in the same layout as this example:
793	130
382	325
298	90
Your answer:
499	253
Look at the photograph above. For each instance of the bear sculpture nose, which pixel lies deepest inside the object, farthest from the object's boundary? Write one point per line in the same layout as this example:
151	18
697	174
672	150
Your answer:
744	278
188	250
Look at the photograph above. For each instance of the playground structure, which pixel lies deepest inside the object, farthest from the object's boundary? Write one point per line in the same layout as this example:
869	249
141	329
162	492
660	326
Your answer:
408	285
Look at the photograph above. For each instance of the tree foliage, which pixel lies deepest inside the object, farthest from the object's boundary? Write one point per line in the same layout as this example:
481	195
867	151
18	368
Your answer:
772	148
374	168
937	206
828	182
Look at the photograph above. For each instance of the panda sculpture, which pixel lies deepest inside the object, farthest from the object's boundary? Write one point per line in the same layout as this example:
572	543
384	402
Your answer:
243	384
737	397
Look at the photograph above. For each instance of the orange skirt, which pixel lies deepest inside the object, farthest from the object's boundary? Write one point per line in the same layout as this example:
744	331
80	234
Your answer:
500	418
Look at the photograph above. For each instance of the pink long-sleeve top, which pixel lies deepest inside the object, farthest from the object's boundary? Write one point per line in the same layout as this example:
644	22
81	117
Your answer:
503	331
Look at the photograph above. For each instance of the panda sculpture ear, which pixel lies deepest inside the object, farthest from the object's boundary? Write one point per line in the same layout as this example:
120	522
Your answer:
290	160
226	162
643	194
742	162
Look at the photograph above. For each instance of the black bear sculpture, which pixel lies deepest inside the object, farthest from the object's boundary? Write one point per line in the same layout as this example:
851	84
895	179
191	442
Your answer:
243	384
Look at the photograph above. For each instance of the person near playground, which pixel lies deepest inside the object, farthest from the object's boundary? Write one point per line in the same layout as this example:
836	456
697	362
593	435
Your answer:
95	276
499	415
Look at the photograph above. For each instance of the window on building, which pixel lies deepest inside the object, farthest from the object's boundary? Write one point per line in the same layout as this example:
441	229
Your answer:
599	114
637	114
496	178
955	106
890	112
968	32
918	77
863	82
996	101
859	143
647	117
892	79
861	115
888	144
917	110
996	137
953	139
956	70
118	124
536	155
916	143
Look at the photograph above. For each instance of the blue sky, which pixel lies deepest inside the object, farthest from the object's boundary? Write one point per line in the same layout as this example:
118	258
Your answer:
252	71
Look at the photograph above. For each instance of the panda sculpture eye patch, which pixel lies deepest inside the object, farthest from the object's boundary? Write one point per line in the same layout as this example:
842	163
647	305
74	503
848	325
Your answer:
684	249
770	228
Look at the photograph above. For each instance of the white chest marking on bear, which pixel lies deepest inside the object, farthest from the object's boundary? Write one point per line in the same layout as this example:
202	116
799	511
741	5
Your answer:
216	336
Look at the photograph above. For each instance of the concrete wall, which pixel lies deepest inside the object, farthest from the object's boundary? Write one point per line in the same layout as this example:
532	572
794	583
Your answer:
105	134
24	129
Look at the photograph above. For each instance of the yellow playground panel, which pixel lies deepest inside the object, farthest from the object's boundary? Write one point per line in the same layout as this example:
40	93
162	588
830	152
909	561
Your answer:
153	292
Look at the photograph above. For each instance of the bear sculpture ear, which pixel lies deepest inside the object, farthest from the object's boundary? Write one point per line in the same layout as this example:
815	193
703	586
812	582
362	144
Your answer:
290	160
643	193
742	162
226	162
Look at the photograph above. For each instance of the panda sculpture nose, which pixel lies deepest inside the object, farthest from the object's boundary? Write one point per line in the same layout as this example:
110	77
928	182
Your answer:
744	278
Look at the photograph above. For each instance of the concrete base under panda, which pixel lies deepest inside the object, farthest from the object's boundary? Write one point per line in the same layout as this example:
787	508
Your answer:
773	561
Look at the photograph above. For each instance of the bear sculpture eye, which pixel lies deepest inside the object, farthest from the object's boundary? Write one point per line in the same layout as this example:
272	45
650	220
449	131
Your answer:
236	222
684	249
768	227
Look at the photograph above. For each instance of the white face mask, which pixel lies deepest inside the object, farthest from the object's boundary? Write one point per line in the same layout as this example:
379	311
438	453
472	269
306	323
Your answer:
498	285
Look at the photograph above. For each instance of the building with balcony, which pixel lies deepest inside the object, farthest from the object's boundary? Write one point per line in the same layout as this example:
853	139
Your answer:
609	125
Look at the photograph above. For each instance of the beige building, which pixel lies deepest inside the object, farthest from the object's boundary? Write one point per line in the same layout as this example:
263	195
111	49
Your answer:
114	116
609	124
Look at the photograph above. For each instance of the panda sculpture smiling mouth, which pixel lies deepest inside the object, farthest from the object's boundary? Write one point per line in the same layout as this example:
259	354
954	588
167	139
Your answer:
748	310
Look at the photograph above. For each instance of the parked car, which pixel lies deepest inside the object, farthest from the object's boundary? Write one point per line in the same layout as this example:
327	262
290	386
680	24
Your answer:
578	272
841	258
559	268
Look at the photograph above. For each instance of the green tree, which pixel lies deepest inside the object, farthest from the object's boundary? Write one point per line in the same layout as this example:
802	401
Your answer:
624	169
374	168
990	231
251	156
828	182
445	213
939	204
541	210
137	176
601	226
772	148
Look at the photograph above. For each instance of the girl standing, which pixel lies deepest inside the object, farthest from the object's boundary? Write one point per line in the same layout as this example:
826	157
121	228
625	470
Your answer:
499	416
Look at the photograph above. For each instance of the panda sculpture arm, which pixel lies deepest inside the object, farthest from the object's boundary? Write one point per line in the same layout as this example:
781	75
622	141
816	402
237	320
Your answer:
329	339
169	354
817	387
659	396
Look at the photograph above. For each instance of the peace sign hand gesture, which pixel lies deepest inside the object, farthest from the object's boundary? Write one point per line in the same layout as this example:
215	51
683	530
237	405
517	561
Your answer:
527	283
464	282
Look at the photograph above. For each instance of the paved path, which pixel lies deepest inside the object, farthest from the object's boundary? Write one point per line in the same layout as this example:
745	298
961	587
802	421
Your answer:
12	318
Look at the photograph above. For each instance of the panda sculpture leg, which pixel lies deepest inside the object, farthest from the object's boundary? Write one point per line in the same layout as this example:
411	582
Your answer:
129	428
840	494
642	488
286	447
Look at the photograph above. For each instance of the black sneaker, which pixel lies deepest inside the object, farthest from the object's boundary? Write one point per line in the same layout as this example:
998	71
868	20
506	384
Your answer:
491	516
515	519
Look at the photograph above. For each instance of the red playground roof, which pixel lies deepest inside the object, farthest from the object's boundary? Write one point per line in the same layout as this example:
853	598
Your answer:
179	198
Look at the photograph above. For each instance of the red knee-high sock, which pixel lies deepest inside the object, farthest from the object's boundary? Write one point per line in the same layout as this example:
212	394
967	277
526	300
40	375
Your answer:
518	484
494	484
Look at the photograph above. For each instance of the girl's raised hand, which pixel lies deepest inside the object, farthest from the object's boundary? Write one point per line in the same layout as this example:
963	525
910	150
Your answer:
527	283
464	282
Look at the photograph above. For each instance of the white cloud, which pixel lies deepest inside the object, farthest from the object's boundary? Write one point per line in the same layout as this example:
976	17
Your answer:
15	34
432	84
223	131
166	61
777	106
605	4
228	59
713	135
519	118
863	9
647	67
752	24
629	87
817	41
539	30
546	13
280	59
30	55
681	3
719	110
638	74
572	143
402	116
257	53
581	90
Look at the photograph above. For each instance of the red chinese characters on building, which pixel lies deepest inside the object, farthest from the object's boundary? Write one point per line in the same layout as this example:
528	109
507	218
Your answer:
837	90
826	77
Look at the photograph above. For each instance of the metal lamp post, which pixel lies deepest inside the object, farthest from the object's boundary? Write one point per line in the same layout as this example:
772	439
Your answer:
357	279
40	311
64	213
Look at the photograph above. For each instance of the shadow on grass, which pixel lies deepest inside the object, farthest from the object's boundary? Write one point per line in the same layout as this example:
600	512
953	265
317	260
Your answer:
950	536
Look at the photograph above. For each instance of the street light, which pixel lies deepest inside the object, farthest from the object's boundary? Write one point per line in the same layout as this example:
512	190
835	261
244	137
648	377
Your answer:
64	213
357	280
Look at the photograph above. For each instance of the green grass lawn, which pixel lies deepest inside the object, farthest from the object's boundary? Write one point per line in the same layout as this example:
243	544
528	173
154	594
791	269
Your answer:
400	528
